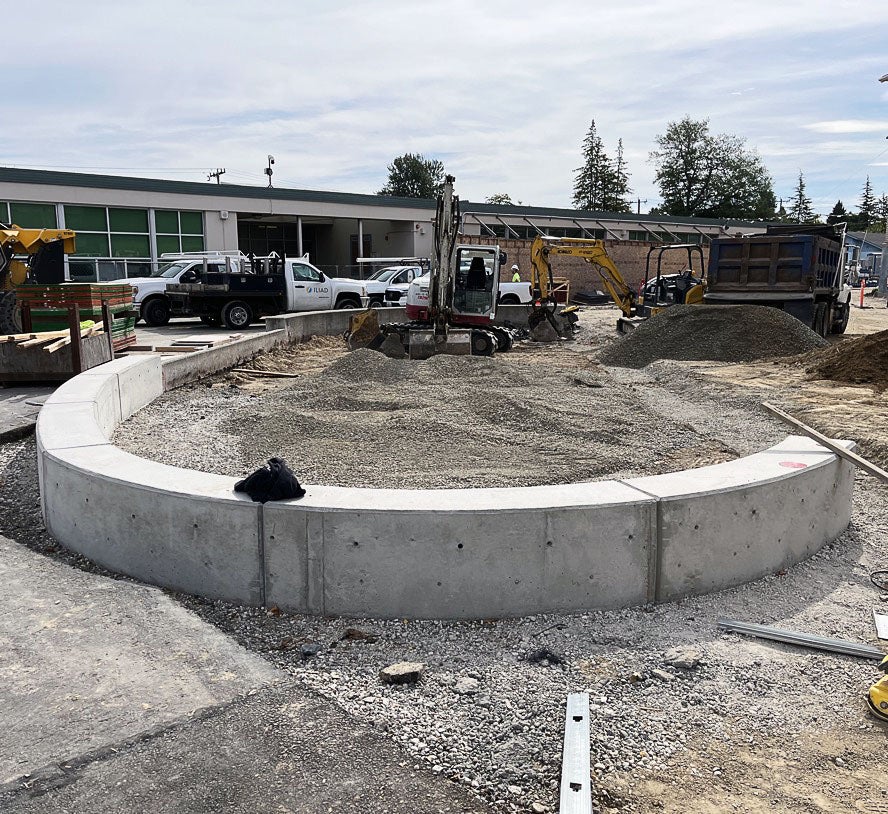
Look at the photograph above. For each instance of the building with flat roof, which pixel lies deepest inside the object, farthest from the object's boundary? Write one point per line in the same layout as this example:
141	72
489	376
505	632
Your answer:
125	224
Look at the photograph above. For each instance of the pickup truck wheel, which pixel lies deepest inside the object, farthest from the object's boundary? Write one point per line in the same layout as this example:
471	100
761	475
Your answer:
237	314
376	302
156	312
348	303
510	299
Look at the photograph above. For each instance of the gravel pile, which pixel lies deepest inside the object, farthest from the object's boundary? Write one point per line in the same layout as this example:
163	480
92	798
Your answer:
449	421
717	333
863	360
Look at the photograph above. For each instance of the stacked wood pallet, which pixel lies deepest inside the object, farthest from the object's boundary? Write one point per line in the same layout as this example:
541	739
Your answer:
49	305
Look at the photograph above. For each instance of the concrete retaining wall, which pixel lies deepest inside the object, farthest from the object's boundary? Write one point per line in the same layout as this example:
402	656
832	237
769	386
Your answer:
474	553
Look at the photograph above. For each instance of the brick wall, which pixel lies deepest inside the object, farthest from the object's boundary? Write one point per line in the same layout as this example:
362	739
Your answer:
628	256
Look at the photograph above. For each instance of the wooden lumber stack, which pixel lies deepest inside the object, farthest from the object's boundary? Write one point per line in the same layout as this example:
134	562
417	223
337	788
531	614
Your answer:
49	307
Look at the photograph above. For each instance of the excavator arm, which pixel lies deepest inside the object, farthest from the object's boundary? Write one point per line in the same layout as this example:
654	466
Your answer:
16	241
592	251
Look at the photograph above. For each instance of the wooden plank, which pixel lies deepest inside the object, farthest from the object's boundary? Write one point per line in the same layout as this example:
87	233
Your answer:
270	373
58	344
831	445
576	789
41	338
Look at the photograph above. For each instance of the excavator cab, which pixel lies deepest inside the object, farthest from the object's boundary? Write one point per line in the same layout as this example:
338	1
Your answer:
664	290
474	298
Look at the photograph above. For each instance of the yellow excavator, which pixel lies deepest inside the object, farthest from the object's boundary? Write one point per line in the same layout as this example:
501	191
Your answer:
45	250
657	292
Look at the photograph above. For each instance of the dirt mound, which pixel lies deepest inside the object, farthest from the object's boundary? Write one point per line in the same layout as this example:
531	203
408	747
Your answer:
857	361
713	333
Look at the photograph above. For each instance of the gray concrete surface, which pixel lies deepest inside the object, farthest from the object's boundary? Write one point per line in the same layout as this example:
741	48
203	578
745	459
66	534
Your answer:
19	406
90	661
181	328
281	751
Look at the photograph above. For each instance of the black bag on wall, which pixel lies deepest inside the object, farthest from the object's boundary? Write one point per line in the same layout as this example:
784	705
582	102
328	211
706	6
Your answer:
275	481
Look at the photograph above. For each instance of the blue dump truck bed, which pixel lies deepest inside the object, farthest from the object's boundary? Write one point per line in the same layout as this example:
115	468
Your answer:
772	265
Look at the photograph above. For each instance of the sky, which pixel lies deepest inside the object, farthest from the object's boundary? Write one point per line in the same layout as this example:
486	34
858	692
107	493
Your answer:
502	93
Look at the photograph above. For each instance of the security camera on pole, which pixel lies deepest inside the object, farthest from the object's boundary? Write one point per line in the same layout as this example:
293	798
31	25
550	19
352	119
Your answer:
268	169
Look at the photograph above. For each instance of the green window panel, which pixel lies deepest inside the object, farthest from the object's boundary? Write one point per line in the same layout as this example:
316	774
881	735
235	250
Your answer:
192	223
4	213
192	243
92	245
128	220
166	222
130	246
86	219
33	215
167	243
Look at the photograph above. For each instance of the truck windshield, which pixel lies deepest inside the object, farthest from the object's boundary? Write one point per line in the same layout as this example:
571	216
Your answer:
386	274
170	269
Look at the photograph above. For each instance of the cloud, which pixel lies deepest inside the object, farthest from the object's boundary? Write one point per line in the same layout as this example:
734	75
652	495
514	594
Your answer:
848	126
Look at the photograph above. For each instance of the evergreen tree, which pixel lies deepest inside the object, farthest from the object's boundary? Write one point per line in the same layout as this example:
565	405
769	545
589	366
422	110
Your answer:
839	214
615	197
867	214
412	176
595	178
881	210
499	198
802	208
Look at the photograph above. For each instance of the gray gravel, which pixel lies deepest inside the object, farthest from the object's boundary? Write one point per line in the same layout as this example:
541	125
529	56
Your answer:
450	421
719	333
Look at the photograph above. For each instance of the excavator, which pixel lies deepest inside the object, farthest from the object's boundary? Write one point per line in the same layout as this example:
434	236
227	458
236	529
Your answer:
452	308
657	292
46	250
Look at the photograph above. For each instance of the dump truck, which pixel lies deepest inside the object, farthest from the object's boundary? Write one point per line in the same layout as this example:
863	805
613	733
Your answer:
797	268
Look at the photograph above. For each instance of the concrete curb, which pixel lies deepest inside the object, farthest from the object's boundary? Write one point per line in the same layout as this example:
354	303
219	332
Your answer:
475	553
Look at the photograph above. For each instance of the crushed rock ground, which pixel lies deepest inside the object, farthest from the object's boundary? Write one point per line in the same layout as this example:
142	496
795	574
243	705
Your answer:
754	727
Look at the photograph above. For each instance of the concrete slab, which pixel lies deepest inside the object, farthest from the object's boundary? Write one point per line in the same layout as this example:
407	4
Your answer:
282	751
89	661
19	407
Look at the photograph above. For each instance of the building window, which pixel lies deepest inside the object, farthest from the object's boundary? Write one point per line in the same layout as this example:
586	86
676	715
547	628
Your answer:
28	215
178	231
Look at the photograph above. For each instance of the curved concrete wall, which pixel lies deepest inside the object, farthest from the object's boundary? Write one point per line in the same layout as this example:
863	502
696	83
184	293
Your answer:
474	553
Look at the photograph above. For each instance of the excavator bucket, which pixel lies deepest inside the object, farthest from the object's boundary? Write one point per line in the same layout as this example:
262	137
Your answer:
363	330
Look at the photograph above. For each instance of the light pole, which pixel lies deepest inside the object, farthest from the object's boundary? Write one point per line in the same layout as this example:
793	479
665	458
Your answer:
883	268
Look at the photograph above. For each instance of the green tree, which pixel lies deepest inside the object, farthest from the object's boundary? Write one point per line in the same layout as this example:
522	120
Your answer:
881	210
600	184
801	208
701	174
839	214
412	176
867	209
499	198
615	197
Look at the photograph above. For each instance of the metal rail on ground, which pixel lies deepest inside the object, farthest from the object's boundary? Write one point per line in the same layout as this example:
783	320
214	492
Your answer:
842	646
576	791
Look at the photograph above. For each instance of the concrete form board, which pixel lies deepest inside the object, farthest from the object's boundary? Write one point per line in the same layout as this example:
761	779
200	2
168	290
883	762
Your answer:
747	518
438	564
199	540
189	367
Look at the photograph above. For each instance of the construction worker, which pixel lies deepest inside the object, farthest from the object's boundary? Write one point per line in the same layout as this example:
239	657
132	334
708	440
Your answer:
516	274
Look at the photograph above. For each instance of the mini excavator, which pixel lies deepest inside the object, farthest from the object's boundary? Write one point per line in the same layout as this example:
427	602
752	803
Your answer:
877	698
452	308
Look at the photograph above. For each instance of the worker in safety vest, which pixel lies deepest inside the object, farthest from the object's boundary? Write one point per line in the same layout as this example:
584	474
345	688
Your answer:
516	274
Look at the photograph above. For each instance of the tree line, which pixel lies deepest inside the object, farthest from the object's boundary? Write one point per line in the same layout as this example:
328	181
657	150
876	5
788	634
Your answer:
698	173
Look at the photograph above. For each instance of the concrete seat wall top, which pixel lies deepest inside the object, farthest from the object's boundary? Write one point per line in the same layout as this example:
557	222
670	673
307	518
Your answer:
475	553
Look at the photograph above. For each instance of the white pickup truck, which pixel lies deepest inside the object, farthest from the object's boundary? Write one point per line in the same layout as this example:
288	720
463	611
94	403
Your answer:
150	293
509	293
381	280
236	299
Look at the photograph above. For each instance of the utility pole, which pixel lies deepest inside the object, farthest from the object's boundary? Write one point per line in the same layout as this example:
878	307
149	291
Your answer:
639	202
217	175
269	170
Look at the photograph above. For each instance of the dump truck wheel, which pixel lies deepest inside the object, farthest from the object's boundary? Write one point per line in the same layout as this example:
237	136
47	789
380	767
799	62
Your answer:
10	313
